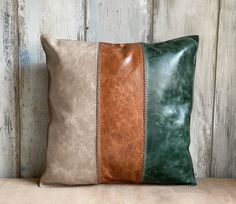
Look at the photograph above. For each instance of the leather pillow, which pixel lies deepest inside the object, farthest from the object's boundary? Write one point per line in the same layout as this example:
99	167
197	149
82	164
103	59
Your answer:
119	113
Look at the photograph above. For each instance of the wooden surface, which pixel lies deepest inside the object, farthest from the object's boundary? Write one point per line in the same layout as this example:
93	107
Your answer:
23	76
119	21
224	135
9	97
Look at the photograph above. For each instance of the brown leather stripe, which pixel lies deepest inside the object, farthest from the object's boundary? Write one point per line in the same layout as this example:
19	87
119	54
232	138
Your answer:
120	114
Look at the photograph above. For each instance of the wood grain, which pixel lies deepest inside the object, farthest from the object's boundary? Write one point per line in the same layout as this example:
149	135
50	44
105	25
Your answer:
119	21
224	140
9	134
64	20
174	18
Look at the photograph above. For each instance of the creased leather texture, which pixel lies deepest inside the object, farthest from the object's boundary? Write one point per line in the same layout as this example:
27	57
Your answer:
170	73
119	113
121	109
71	152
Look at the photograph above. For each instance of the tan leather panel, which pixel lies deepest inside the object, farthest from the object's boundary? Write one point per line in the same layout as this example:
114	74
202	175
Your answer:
71	153
120	114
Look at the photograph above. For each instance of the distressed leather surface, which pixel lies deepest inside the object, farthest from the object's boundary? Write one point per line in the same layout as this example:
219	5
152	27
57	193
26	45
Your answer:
125	139
26	191
121	109
170	73
71	152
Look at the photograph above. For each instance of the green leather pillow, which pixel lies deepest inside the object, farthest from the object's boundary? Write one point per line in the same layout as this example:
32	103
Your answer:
119	113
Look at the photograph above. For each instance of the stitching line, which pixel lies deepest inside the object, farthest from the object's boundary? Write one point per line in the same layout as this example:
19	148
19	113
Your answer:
144	108
97	115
